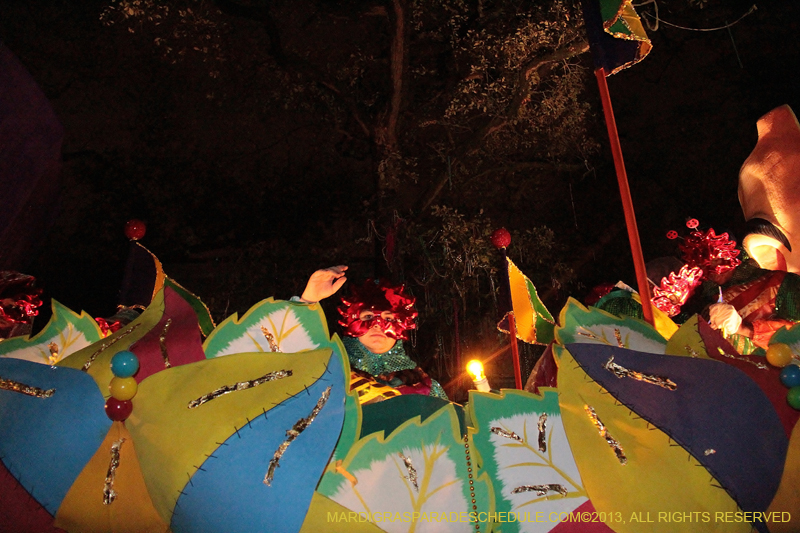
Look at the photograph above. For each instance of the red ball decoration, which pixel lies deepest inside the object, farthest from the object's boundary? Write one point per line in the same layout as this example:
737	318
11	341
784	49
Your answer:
692	223
118	410
135	229
501	238
672	235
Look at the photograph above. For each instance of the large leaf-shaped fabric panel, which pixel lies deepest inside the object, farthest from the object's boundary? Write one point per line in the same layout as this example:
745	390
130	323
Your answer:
18	511
239	488
173	341
47	440
766	376
690	400
419	468
95	359
594	326
110	494
521	444
628	465
787	499
67	332
270	326
326	515
173	440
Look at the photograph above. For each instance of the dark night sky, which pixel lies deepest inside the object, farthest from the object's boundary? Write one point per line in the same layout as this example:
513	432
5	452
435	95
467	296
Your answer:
686	117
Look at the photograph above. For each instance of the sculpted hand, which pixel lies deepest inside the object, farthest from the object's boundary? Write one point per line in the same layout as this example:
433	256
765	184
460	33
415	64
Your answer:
324	283
724	317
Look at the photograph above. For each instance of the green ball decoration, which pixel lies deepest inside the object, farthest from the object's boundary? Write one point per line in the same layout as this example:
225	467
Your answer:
793	397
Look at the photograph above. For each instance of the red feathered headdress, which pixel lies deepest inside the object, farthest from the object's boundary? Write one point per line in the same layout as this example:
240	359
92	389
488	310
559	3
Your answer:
378	296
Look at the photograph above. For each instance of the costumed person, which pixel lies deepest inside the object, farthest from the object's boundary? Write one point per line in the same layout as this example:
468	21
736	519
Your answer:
763	295
376	318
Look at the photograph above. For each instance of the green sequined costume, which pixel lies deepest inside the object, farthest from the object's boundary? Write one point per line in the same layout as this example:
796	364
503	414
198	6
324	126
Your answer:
375	364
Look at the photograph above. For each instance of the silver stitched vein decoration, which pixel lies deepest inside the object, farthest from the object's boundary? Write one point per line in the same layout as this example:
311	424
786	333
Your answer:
412	472
507	434
162	342
293	433
622	372
758	365
541	490
273	345
107	345
615	445
542	425
22	388
242	385
109	494
618	336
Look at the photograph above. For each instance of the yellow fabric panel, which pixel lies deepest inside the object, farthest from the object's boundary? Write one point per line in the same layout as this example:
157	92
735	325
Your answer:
172	440
659	477
687	341
787	499
663	323
325	515
100	367
83	510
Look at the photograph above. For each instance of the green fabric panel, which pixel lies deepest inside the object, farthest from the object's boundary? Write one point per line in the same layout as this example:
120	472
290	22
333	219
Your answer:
620	303
389	414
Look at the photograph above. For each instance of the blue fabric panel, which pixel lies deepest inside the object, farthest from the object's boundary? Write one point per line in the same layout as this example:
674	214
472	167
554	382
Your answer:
714	407
228	492
46	442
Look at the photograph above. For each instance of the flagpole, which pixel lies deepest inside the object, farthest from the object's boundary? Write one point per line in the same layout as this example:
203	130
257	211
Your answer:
625	194
501	238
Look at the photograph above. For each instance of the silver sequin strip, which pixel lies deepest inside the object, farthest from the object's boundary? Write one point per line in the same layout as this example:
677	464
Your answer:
162	342
242	385
760	366
542	425
273	345
690	351
109	494
107	345
507	434
22	388
604	433
541	490
293	433
618	336
622	372
412	472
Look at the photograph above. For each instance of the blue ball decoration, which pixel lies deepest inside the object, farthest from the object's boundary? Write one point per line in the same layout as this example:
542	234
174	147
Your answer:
124	364
790	376
793	397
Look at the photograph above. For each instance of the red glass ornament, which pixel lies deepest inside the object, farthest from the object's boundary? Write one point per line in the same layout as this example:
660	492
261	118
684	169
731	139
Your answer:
118	410
135	229
501	238
672	235
692	223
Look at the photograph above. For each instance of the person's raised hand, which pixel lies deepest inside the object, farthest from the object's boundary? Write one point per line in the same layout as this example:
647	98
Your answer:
324	283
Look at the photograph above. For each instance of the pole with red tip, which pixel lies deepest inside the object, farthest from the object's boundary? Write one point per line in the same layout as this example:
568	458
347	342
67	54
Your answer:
501	238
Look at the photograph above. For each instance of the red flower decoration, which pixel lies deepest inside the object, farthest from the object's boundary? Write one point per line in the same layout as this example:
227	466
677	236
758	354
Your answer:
676	289
692	223
711	252
672	235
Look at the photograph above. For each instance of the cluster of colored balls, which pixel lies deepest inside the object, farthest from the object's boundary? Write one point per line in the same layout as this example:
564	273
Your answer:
781	355
123	385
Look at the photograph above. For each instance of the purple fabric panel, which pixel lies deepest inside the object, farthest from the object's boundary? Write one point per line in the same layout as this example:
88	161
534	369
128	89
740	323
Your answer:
30	162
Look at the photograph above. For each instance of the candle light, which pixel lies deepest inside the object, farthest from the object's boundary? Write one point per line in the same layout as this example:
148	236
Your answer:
475	369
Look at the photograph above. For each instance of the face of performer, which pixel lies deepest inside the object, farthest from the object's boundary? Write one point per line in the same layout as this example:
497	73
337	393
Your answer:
375	339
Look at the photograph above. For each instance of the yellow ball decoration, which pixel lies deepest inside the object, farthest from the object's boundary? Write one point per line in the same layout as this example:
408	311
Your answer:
779	355
123	388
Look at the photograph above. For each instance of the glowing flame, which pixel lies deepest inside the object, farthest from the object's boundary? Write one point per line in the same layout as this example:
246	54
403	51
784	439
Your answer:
475	369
